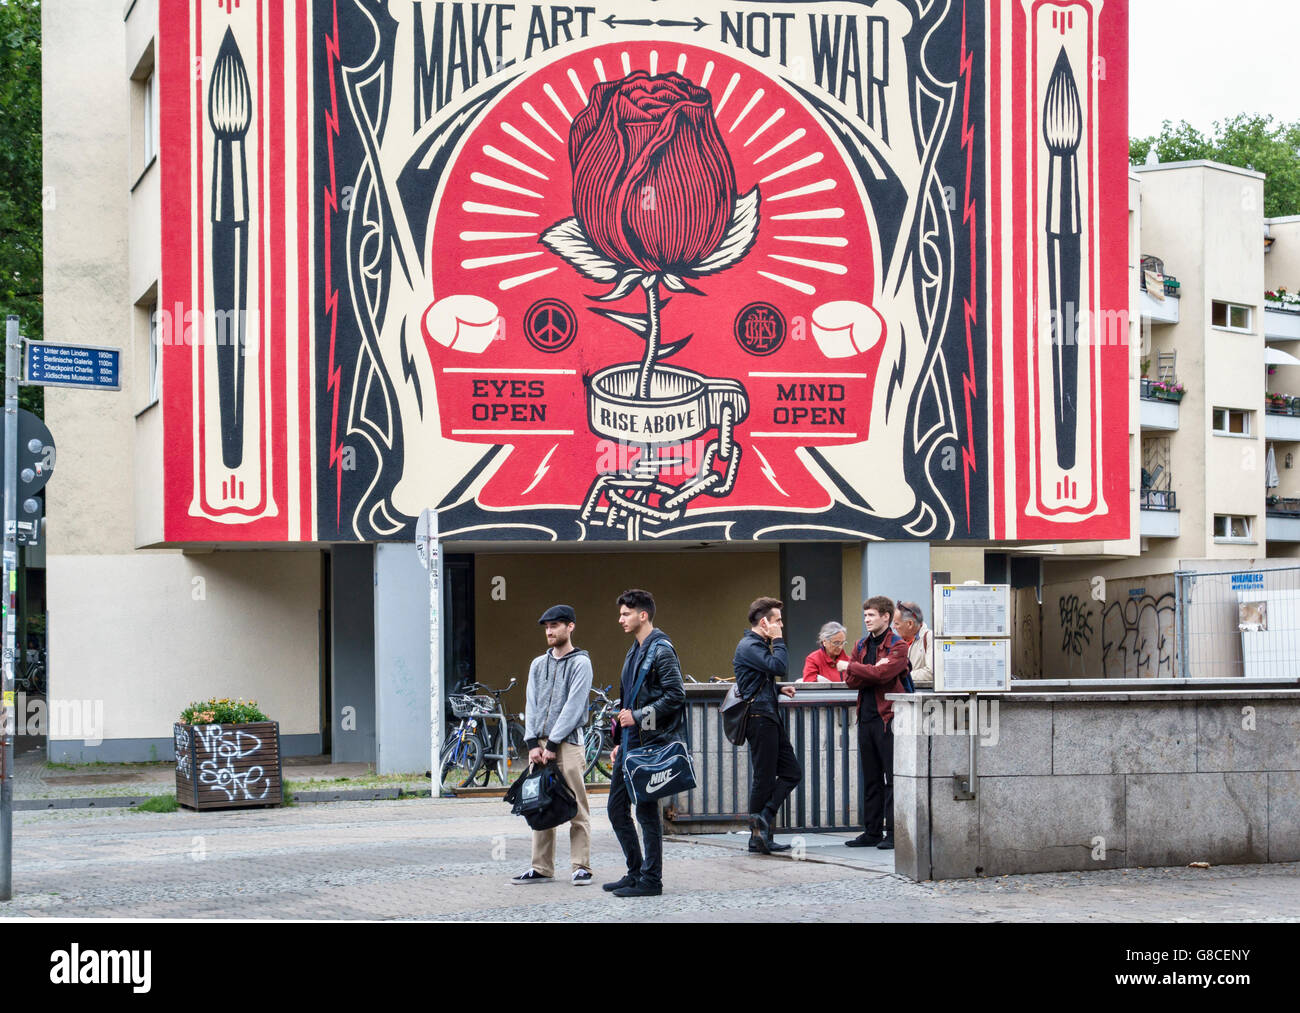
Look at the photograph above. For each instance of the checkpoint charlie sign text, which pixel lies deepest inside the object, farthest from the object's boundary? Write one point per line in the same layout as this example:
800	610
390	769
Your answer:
647	271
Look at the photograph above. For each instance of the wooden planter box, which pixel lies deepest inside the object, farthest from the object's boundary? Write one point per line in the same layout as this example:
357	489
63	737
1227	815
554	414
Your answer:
228	766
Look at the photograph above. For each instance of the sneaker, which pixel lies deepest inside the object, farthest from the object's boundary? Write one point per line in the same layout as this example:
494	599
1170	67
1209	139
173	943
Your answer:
620	884
639	889
887	844
864	841
582	877
531	876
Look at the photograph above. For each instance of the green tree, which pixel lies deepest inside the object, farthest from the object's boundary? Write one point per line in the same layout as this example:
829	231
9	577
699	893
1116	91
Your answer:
1249	141
21	199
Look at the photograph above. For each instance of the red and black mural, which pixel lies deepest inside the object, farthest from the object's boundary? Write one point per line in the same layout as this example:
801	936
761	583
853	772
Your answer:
746	271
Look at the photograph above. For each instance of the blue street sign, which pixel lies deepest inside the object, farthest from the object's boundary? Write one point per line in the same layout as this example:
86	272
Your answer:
57	365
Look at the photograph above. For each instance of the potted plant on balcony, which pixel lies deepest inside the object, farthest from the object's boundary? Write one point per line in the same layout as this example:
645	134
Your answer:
1168	390
1277	404
1280	299
227	756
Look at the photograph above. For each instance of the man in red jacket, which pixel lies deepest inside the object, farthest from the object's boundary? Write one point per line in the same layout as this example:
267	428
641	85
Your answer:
876	669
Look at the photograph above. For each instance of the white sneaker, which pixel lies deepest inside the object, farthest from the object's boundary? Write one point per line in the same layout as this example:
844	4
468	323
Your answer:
581	877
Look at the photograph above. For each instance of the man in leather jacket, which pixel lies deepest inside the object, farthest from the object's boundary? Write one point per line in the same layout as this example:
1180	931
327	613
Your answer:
656	716
760	661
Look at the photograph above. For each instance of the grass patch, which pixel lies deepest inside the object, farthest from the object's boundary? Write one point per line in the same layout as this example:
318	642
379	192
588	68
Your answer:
157	804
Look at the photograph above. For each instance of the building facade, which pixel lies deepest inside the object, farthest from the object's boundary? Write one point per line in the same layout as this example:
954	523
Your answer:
819	338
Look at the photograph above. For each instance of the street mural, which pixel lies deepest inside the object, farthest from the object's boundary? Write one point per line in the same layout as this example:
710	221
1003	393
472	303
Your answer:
746	271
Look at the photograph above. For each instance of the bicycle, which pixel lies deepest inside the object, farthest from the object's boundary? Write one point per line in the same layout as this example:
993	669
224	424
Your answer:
596	735
471	751
29	675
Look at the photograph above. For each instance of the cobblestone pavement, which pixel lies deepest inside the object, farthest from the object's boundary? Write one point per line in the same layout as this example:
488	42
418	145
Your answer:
453	859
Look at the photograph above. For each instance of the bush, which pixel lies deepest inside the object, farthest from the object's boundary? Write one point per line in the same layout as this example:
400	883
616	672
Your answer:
222	712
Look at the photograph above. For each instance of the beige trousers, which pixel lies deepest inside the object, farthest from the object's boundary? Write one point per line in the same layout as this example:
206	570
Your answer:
570	758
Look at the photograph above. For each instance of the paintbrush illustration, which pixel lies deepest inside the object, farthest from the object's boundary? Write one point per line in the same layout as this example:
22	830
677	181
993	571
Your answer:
1062	132
230	112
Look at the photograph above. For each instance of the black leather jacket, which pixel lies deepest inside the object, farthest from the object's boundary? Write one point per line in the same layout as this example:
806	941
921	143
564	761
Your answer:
661	690
758	667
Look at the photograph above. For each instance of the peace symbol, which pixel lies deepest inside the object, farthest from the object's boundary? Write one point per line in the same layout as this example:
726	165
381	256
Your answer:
550	325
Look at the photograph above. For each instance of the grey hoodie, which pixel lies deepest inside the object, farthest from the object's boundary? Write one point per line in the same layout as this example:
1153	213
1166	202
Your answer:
557	698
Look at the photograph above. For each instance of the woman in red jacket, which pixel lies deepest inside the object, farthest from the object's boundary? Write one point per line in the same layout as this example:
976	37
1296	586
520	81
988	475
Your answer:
820	666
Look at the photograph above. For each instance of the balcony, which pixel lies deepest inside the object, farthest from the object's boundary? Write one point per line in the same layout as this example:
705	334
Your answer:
1282	418
1158	405
1158	513
1281	321
1282	519
1159	299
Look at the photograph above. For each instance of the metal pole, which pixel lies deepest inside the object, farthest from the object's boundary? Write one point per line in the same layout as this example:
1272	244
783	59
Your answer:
433	553
13	353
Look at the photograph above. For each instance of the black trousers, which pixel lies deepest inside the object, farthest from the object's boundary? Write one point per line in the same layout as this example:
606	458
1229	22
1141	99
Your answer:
775	769
876	755
648	868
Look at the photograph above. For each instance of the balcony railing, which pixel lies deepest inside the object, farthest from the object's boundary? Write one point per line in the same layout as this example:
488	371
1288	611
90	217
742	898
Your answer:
1282	506
1159	499
1159	390
1291	406
1156	267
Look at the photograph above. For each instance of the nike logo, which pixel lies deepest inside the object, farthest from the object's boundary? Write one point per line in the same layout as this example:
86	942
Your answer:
659	779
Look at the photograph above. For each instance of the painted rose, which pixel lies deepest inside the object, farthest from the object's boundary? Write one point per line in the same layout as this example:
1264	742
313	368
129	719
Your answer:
653	185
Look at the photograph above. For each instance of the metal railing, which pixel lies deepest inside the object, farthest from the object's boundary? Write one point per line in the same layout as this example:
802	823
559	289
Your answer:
1159	499
1152	391
1282	506
1290	407
821	723
1238	623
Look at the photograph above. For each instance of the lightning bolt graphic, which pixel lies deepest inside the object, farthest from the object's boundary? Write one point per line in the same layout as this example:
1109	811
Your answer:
971	302
542	469
770	473
331	208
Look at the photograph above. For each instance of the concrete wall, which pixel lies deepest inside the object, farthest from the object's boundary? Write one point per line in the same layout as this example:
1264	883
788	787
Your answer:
1113	630
352	647
401	660
143	635
1098	781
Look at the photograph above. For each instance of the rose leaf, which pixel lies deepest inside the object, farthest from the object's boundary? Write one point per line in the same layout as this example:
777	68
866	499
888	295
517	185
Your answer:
633	321
666	351
739	237
626	283
676	284
568	241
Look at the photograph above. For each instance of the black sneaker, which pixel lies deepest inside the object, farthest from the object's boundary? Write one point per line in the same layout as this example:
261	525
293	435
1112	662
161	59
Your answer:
582	877
864	841
626	881
887	844
639	889
531	876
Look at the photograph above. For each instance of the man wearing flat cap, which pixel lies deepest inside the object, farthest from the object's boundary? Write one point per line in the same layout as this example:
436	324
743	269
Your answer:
559	683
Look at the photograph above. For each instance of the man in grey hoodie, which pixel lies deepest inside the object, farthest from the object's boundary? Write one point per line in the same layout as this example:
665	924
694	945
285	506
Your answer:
559	683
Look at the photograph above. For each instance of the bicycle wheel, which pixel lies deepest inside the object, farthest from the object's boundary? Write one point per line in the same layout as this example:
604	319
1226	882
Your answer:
516	751
36	678
461	759
593	742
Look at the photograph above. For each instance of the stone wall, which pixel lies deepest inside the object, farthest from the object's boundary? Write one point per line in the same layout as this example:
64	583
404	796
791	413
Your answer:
1098	780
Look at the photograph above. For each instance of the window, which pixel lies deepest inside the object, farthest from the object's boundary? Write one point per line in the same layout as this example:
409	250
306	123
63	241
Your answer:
149	124
1231	422
1230	316
1232	528
155	355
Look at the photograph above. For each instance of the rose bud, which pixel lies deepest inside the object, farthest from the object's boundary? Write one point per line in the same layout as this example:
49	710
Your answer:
653	185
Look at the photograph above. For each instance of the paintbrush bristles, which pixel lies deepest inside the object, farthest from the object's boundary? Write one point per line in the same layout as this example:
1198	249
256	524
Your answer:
1062	111
230	99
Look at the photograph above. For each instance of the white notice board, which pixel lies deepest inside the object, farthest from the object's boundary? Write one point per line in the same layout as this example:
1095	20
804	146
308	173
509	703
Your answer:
970	666
972	610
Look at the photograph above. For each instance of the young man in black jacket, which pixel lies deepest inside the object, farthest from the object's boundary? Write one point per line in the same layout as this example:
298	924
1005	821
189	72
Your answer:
760	662
656	716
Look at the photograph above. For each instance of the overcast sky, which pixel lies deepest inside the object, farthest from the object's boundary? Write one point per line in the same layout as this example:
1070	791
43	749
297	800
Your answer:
1199	61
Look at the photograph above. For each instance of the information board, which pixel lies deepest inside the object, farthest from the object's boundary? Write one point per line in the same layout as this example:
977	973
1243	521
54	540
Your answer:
970	666
972	610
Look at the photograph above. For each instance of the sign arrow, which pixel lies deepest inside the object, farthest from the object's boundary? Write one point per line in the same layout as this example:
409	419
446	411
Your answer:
699	23
639	22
